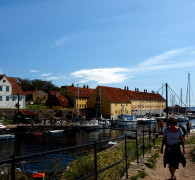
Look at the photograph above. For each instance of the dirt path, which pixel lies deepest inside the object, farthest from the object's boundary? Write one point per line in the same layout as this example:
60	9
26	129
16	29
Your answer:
161	173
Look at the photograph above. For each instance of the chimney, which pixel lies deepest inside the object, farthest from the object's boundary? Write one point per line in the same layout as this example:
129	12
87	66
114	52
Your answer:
87	86
72	85
125	88
84	86
135	89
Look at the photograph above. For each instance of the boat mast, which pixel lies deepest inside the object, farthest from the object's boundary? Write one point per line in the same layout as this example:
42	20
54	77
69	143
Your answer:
189	90
166	103
77	102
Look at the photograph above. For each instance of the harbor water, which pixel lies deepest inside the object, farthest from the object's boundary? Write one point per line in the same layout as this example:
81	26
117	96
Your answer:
25	145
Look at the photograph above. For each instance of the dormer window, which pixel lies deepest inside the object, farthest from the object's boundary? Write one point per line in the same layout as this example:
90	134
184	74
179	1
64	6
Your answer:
4	80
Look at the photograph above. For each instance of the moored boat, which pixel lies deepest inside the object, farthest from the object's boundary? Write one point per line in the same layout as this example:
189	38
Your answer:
37	133
7	136
126	121
56	131
144	120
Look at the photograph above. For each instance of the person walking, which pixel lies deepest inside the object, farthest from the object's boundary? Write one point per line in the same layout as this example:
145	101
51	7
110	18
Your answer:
188	127
161	125
184	131
173	138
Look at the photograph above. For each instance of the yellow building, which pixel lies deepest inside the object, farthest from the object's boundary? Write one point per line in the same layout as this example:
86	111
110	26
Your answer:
77	96
109	102
144	102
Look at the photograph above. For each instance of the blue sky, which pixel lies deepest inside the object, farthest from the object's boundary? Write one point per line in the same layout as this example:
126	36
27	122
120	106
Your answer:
114	43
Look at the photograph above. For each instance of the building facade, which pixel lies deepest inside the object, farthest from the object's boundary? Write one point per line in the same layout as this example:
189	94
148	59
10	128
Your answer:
111	102
56	101
145	103
36	97
11	93
77	96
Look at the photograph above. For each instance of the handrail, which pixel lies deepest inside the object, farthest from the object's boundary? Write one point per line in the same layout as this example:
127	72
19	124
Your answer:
14	159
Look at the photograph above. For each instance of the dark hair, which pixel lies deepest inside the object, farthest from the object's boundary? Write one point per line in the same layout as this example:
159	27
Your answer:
172	121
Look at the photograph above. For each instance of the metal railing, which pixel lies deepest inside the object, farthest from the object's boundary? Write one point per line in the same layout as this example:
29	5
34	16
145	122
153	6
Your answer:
13	160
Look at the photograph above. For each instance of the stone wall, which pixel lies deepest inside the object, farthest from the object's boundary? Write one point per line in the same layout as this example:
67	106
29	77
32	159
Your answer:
42	114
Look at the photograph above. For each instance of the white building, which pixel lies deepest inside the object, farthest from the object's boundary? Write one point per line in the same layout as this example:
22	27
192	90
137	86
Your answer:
11	93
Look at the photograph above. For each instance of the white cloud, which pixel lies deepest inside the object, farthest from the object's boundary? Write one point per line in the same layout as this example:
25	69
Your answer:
102	76
162	58
48	74
63	40
173	59
55	78
33	71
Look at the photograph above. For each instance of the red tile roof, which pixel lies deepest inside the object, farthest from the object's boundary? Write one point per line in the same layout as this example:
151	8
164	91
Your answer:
136	95
60	100
116	95
83	92
27	113
30	92
16	88
124	96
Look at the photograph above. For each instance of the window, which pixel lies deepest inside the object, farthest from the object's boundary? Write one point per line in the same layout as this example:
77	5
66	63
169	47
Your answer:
4	80
0	98
7	88
1	88
13	98
7	98
20	98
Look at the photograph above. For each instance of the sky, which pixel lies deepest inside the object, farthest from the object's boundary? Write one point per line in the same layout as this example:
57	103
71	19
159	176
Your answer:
115	43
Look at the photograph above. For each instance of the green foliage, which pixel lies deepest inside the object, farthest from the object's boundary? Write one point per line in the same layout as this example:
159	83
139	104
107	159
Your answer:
190	140
141	174
85	165
36	106
31	85
152	160
134	177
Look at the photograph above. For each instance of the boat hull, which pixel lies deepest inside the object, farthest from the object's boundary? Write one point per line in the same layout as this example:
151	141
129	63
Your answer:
7	136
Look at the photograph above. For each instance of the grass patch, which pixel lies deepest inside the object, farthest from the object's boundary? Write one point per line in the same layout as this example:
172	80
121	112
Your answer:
36	106
190	140
85	165
152	160
141	174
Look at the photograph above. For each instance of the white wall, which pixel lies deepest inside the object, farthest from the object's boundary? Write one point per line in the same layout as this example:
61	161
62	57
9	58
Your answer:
8	94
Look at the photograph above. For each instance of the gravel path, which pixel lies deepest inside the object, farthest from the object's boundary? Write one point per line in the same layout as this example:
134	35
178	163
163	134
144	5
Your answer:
161	173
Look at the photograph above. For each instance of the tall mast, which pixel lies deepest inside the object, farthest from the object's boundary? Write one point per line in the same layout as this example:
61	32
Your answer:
77	102
189	88
167	103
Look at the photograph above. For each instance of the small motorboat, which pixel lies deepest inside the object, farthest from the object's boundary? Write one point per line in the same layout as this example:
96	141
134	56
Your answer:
2	126
7	136
37	133
56	131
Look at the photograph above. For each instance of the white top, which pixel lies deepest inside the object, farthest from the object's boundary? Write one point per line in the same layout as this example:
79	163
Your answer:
173	137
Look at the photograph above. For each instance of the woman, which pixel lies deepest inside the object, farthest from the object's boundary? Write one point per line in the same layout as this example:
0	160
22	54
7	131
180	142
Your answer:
173	137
